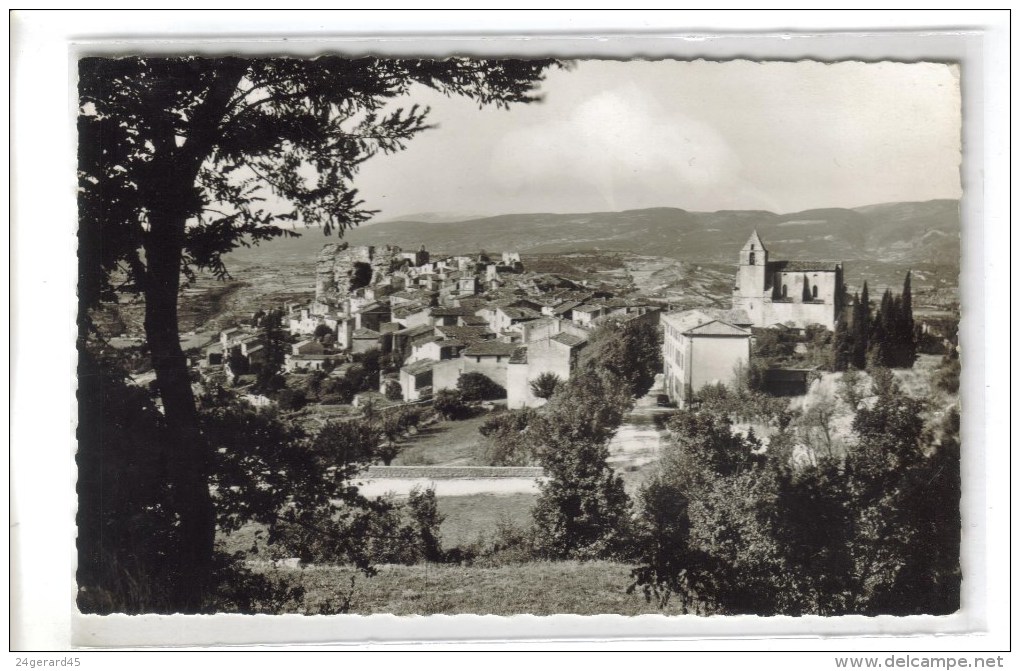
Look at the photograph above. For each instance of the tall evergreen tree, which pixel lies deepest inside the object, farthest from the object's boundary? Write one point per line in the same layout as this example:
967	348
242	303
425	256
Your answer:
880	350
860	329
806	291
842	345
906	338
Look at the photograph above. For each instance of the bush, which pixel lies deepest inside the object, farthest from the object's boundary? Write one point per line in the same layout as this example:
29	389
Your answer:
947	376
509	443
544	386
292	399
393	391
478	387
450	404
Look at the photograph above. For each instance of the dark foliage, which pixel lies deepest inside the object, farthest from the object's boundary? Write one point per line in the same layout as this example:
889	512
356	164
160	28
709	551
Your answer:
479	387
450	404
630	350
544	386
582	511
509	442
729	528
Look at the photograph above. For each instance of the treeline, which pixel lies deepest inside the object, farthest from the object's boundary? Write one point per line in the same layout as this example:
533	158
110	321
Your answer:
886	339
729	525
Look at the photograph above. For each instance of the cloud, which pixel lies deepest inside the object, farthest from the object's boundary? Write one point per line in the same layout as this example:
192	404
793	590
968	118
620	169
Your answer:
623	145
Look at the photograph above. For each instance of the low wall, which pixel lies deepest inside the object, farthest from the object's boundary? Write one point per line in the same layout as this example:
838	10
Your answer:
453	472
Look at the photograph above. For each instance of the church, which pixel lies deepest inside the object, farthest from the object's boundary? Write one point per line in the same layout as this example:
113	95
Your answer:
794	293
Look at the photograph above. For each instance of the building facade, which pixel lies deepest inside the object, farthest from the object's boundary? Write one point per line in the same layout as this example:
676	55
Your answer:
798	293
699	349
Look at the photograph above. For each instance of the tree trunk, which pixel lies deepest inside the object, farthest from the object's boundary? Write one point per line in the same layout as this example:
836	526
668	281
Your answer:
171	198
189	458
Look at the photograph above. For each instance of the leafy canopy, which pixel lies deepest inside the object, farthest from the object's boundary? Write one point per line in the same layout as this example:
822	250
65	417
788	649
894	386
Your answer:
210	140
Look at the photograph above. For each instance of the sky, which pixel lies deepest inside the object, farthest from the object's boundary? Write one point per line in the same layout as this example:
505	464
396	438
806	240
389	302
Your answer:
698	135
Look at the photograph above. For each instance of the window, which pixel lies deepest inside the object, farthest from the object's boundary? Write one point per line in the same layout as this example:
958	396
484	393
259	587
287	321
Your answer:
814	291
784	291
752	256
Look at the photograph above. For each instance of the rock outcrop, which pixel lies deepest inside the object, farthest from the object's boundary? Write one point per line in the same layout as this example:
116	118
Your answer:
341	269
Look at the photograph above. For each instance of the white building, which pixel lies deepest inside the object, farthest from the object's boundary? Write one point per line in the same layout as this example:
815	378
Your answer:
699	348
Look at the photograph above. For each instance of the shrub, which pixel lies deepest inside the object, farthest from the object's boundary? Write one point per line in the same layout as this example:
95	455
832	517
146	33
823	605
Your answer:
450	404
947	376
544	386
393	391
478	387
291	399
509	443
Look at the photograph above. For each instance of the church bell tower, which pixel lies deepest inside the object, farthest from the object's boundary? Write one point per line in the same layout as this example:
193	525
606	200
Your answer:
749	291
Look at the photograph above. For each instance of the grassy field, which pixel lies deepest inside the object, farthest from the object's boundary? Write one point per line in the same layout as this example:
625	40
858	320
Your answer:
443	444
468	517
537	588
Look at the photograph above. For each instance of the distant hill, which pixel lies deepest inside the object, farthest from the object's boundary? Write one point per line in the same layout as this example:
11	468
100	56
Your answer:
908	233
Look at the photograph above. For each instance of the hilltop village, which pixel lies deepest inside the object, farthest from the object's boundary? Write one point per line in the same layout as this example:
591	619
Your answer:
436	319
433	320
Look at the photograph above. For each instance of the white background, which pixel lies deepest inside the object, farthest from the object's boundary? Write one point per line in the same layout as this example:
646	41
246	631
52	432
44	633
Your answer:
43	262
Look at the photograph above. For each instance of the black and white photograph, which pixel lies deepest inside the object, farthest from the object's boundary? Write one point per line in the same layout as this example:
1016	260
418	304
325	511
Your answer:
369	332
423	336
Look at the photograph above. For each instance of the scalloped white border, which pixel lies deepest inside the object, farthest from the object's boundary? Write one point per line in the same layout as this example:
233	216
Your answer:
43	261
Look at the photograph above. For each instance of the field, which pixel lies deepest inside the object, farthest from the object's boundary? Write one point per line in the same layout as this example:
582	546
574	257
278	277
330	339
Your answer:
470	517
443	444
536	588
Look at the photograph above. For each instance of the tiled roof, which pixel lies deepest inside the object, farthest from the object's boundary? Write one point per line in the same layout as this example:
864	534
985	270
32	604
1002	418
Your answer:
802	266
520	313
450	312
420	366
415	330
565	306
418	342
718	328
568	339
490	348
365	333
468	334
474	320
408	310
374	306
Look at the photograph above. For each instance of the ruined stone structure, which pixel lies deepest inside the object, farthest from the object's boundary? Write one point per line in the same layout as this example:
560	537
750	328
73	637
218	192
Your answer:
795	293
341	269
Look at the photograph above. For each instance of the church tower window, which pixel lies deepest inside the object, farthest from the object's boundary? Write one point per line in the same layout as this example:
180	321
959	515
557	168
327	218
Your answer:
752	256
784	291
814	291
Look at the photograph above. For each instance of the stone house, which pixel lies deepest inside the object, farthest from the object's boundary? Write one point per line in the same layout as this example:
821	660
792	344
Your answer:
558	354
488	357
415	377
585	315
700	349
364	339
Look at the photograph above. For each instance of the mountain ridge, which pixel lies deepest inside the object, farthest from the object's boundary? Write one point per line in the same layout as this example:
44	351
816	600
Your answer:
897	231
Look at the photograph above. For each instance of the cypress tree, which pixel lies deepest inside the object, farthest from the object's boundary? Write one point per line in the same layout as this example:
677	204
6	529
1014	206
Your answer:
908	337
880	351
842	345
860	329
806	293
